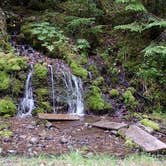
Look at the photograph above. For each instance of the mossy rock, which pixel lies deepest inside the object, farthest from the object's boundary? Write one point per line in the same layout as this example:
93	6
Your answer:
45	106
7	106
129	99
98	81
114	93
9	62
78	70
17	87
42	94
150	123
40	71
95	101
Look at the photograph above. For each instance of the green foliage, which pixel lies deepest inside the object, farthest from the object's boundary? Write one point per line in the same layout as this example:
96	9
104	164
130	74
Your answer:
50	36
82	8
40	71
114	93
7	107
133	5
82	46
151	124
4	81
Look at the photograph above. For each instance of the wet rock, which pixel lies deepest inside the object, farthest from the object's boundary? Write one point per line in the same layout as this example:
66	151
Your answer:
49	138
48	125
114	132
34	140
30	126
12	151
63	140
1	150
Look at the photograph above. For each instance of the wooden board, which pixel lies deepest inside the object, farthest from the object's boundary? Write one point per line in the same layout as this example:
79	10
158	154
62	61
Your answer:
60	117
109	125
148	142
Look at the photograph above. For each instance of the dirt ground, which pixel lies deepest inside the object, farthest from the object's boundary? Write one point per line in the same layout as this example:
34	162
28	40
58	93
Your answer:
32	137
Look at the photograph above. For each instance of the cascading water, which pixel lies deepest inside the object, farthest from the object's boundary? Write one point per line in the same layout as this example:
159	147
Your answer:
27	103
52	87
74	94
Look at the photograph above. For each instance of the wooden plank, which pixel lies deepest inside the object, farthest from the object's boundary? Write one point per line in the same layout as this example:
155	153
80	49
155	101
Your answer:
148	142
58	117
109	125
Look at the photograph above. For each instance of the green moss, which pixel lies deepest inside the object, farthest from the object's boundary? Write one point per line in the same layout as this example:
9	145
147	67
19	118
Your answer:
129	99
129	143
93	69
42	93
78	70
4	81
95	101
46	106
40	71
7	107
6	133
114	93
151	124
9	62
17	87
98	81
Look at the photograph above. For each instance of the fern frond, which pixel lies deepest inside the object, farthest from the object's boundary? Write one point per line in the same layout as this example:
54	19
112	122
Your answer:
133	27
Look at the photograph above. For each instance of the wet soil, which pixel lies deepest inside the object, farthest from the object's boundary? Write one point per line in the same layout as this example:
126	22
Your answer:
32	136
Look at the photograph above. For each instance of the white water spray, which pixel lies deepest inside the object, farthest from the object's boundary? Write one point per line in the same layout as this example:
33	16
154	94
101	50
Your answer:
27	103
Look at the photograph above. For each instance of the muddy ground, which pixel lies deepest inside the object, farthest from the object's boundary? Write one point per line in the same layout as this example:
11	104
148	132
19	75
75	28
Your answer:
33	137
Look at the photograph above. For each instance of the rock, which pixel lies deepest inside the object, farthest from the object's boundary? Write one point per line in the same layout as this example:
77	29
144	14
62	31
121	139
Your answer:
34	140
148	129
1	150
12	151
48	125
109	125
30	126
114	132
148	142
63	140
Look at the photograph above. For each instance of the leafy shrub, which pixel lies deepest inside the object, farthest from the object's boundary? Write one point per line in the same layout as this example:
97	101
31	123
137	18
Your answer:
7	107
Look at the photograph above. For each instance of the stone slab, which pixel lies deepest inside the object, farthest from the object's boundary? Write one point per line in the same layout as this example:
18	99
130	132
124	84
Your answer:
145	140
109	125
58	117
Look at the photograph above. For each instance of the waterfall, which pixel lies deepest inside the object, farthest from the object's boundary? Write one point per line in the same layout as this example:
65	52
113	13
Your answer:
27	103
52	87
74	94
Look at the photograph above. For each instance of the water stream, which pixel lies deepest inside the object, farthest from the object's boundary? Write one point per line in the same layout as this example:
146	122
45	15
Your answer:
27	102
52	87
74	91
